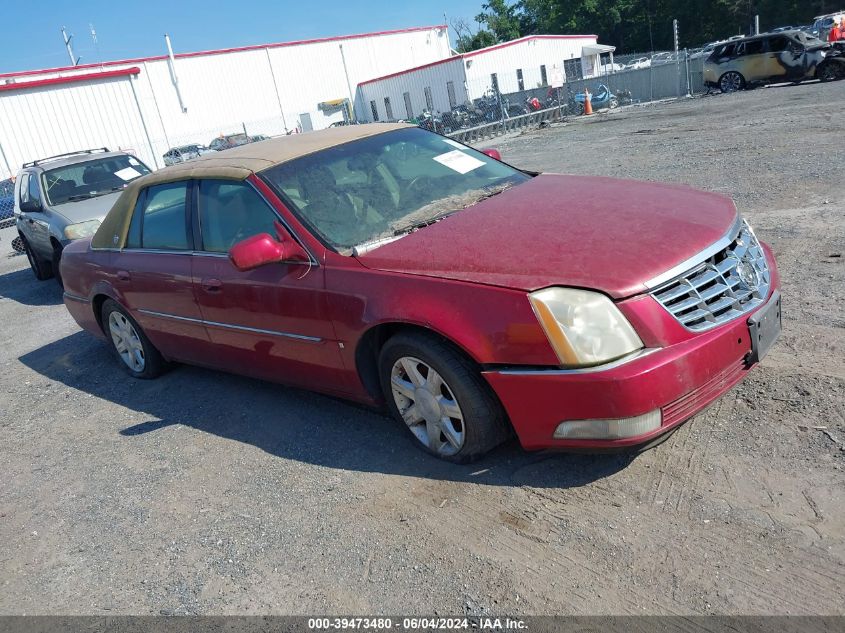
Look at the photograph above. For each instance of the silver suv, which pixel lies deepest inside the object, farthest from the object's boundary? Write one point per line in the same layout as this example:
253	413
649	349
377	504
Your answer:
64	198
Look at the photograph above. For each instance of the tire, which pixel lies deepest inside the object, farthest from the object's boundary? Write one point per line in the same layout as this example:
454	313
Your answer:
579	108
731	81
138	357
614	103
477	423
57	258
41	268
829	72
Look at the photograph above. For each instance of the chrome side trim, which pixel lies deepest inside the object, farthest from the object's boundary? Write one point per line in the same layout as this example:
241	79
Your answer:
229	326
699	257
73	297
640	353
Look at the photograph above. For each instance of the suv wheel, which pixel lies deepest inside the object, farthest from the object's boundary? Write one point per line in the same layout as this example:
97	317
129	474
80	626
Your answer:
57	257
42	268
440	397
731	82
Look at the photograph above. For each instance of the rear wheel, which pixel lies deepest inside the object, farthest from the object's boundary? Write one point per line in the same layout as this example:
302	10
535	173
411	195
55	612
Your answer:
731	82
137	354
41	268
440	397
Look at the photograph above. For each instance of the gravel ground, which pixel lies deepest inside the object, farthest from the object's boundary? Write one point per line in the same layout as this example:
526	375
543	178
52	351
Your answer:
207	493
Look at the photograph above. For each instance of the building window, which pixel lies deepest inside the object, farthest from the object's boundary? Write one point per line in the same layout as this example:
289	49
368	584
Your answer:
544	80
494	82
519	80
450	90
388	111
374	109
572	69
429	102
408	109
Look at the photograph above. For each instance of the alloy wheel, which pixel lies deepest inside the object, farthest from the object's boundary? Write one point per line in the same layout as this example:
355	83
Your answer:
427	405
731	82
127	342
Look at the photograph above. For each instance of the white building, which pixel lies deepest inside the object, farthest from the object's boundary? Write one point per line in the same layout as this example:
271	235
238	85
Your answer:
149	105
522	64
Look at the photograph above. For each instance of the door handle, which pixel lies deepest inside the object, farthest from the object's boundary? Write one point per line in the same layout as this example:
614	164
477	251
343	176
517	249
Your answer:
122	275
212	285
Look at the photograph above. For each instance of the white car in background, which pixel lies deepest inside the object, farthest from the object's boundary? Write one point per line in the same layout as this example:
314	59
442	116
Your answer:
180	154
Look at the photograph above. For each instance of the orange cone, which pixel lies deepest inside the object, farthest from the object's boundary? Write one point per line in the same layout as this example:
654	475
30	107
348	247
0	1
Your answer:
588	99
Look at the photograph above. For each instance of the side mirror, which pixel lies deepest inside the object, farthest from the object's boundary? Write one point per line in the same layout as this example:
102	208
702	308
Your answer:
263	249
492	153
31	206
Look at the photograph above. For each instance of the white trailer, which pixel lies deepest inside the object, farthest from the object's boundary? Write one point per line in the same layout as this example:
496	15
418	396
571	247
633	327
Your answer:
151	104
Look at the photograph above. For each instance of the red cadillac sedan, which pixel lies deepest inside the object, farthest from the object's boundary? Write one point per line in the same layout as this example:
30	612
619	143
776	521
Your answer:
392	266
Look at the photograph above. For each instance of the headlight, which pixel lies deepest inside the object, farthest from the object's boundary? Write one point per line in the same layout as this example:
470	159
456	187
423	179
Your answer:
82	229
584	328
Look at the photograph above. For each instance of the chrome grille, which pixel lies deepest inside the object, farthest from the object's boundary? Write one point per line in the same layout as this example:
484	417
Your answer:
726	285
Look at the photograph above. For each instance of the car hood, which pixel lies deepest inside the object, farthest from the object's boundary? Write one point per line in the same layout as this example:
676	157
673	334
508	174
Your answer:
590	232
88	209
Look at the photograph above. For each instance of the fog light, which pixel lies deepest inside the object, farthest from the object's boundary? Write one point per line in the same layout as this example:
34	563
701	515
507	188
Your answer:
615	429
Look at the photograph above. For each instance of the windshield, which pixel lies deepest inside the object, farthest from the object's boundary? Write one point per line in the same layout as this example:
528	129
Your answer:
91	178
387	185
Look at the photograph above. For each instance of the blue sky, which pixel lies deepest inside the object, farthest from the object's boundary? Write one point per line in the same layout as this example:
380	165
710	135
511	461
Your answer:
31	37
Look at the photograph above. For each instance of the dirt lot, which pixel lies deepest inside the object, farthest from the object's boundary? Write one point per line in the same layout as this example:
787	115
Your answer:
207	493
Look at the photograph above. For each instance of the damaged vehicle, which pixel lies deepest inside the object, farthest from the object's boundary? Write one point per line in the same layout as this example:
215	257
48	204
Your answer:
392	266
791	56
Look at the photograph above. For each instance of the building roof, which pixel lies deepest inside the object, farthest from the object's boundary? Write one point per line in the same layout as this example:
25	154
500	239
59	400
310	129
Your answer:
220	51
480	51
237	163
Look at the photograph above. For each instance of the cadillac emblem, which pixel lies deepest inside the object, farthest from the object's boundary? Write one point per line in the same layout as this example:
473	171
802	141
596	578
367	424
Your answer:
747	273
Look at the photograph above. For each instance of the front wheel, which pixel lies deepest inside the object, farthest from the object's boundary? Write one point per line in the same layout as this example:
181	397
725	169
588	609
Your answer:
828	72
440	397
41	268
137	354
731	82
614	103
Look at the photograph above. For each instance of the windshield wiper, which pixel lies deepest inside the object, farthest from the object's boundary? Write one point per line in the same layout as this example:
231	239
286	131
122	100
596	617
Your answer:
93	194
421	224
485	193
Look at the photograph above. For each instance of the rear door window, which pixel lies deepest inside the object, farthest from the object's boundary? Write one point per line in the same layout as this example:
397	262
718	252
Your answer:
164	224
753	47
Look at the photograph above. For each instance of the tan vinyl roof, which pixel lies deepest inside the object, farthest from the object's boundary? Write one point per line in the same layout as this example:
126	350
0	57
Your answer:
237	163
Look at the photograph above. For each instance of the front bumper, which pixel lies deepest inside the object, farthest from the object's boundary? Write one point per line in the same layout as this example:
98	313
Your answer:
680	380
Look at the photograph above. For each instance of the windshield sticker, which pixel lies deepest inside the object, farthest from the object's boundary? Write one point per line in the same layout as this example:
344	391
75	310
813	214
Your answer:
132	161
127	174
453	143
457	161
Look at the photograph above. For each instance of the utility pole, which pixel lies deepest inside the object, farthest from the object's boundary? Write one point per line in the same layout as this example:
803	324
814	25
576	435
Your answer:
74	61
677	58
756	25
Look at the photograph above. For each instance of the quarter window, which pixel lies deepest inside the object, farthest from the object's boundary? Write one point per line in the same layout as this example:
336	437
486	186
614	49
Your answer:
164	226
231	212
34	189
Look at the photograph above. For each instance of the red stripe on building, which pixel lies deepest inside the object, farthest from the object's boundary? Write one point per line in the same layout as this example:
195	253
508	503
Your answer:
481	51
69	79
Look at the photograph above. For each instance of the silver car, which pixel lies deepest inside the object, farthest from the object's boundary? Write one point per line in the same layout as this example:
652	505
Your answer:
64	198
